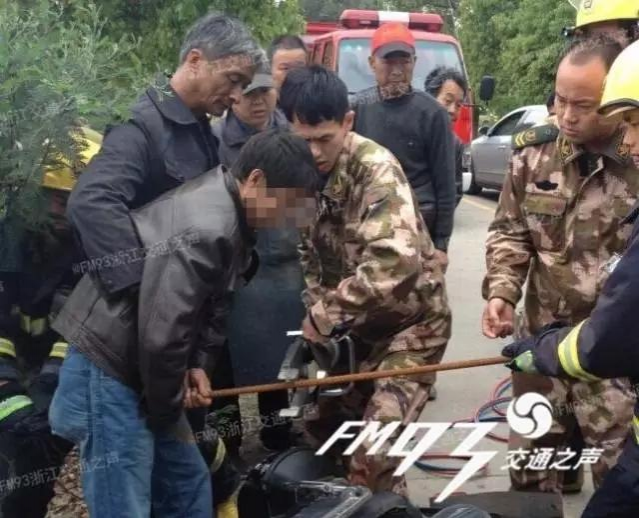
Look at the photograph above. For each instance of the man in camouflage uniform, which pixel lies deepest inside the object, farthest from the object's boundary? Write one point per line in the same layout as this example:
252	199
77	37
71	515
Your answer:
370	270
559	222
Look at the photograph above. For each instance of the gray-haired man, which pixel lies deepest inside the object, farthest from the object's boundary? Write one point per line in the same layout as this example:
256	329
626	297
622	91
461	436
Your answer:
166	141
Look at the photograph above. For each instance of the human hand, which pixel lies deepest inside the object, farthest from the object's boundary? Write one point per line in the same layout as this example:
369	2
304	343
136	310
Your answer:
442	259
498	319
311	334
197	389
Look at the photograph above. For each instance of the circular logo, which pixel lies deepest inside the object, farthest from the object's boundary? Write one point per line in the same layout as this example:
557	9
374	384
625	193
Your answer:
530	415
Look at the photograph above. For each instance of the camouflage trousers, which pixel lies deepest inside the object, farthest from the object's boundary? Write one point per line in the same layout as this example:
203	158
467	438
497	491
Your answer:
383	400
602	411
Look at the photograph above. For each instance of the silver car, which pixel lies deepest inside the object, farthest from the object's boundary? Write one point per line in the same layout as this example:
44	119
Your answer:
490	153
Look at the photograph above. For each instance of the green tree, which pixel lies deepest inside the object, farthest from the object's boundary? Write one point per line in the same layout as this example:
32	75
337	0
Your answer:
330	10
160	26
163	35
53	74
479	35
532	43
517	42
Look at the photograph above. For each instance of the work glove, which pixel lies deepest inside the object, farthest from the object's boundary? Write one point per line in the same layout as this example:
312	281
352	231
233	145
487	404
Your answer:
523	352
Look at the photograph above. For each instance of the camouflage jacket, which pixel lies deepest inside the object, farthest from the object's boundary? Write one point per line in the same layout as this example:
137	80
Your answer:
369	262
559	221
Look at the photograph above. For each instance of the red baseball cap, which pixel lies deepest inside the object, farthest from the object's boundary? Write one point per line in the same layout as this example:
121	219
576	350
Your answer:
392	37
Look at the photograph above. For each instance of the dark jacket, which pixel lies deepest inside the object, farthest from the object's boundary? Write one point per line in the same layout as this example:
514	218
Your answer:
605	345
196	244
29	297
160	147
271	304
459	169
416	129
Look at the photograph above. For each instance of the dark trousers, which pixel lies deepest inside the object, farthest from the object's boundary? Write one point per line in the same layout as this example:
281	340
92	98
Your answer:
274	428
429	215
618	495
229	422
30	456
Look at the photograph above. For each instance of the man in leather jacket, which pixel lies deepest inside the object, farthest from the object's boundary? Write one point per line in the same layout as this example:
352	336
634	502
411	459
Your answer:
136	361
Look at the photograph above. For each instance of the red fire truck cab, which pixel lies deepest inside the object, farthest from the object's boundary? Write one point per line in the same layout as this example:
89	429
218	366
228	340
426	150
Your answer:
345	48
314	30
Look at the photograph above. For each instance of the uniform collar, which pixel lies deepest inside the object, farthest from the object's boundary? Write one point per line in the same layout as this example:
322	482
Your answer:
614	149
568	151
335	185
617	150
169	103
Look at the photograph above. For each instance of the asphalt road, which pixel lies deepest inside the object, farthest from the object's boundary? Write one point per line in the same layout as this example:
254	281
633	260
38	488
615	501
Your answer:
461	393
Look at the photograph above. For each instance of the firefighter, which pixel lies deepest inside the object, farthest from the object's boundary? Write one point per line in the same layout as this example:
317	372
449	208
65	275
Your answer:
31	352
614	17
605	345
28	296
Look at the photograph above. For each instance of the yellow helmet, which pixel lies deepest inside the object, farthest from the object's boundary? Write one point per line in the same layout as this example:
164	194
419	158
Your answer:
621	92
63	176
92	135
596	11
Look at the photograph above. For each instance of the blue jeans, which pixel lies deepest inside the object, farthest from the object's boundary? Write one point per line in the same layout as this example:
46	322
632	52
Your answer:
126	468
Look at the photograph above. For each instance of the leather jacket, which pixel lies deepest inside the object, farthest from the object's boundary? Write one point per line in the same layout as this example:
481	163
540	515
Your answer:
196	244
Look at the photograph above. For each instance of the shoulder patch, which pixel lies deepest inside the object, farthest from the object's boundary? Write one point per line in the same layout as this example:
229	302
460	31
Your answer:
535	136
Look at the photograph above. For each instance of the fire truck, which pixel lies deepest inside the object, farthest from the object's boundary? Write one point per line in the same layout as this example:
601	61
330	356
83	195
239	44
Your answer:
344	47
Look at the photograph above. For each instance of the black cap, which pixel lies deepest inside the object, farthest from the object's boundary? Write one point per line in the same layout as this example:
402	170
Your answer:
260	80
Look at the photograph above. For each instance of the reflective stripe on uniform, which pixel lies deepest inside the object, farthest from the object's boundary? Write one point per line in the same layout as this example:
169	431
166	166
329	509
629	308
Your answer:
7	347
220	455
635	427
228	508
59	350
13	404
33	326
569	356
